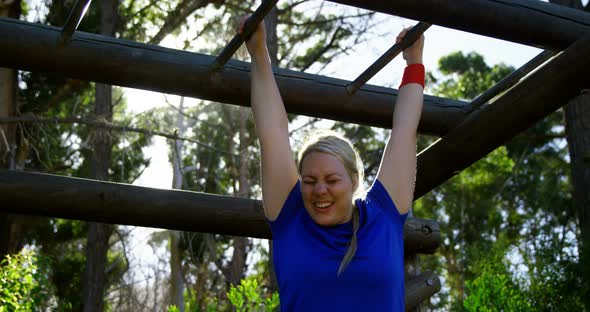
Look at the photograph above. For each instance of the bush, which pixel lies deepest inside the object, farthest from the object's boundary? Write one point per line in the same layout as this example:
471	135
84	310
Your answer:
23	282
246	297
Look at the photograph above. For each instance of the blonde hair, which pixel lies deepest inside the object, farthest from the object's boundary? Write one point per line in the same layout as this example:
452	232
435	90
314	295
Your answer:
330	142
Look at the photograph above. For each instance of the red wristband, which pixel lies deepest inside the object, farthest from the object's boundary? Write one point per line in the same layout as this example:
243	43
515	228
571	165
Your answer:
414	73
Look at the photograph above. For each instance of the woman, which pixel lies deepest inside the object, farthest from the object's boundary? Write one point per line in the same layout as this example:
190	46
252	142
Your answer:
332	253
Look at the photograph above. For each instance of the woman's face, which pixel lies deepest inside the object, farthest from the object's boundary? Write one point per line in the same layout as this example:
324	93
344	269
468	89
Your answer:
327	189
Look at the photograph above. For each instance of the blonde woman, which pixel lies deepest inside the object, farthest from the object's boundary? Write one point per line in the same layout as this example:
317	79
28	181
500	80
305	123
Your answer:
333	252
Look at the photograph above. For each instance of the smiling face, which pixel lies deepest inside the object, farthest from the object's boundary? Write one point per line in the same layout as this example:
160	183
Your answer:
327	189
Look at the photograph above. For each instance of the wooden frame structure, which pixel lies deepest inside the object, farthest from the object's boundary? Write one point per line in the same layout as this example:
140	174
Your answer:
469	130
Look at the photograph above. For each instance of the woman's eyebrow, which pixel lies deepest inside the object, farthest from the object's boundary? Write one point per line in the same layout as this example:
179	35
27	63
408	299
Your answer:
327	175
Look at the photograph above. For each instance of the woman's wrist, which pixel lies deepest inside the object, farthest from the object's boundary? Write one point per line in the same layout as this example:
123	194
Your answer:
258	52
413	73
414	60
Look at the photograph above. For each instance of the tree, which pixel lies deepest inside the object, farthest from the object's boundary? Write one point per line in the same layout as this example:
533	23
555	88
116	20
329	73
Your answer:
60	149
510	202
176	278
99	234
577	128
494	288
10	225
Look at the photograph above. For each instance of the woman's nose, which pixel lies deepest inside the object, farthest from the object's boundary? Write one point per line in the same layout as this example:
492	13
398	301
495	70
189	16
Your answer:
319	188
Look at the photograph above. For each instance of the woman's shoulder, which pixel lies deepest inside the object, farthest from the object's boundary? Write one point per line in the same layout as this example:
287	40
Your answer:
291	207
377	201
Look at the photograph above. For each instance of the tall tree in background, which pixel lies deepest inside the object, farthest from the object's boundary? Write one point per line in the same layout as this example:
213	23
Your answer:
577	126
10	225
176	276
505	207
58	148
97	244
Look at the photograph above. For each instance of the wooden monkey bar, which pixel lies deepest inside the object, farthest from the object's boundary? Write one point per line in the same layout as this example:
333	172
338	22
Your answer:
74	20
117	203
420	288
238	39
34	47
530	22
411	37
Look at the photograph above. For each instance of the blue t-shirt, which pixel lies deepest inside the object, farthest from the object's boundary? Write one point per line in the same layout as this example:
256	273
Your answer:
307	257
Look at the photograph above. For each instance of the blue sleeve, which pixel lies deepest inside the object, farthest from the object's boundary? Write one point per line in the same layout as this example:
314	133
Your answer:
293	204
379	194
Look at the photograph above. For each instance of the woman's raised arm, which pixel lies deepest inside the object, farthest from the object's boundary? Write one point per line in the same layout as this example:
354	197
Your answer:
279	172
397	171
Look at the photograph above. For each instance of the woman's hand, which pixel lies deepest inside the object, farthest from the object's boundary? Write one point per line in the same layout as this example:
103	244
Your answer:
412	54
256	43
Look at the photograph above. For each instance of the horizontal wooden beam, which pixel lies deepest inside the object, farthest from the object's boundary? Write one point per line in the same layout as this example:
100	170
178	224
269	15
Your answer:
536	96
530	22
421	236
98	201
103	59
420	288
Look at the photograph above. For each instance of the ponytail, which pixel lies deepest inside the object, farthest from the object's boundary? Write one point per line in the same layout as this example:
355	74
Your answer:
353	242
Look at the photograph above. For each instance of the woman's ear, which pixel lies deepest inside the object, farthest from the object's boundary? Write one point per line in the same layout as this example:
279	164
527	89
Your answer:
355	183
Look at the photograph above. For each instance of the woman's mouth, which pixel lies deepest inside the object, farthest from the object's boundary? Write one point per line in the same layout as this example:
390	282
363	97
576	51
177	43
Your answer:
323	204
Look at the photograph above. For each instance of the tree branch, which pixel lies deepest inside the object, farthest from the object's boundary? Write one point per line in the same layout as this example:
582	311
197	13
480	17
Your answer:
543	136
177	17
30	118
290	7
325	21
210	242
332	44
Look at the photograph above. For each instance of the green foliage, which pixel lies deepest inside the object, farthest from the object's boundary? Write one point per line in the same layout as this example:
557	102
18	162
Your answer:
173	308
191	304
553	278
518	196
24	285
247	297
466	76
493	289
24	8
65	149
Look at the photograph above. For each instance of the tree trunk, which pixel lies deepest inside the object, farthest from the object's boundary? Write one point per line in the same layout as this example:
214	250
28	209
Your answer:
577	127
176	279
238	260
10	225
98	234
